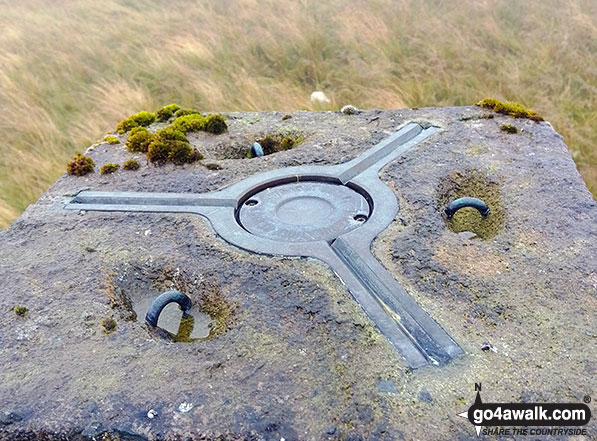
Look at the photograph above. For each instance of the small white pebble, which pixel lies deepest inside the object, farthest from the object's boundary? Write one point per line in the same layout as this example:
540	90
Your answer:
467	235
147	232
151	414
185	407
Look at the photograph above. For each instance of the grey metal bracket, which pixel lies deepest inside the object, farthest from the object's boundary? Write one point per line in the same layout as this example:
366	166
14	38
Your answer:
331	213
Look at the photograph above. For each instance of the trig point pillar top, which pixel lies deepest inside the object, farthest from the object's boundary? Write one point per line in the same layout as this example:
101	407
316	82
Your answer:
350	276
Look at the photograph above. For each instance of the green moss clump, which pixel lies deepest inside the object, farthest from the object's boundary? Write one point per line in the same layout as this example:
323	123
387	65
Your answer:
159	152
287	143
170	144
109	168
164	142
111	140
131	164
508	128
20	310
278	142
180	152
80	165
167	112
195	122
184	112
171	133
285	117
215	124
510	108
142	119
139	140
189	123
269	145
109	325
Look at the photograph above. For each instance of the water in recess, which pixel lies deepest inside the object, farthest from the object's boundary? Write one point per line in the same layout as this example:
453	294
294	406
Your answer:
171	316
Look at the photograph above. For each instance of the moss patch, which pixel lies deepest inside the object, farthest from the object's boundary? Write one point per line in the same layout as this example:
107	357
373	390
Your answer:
166	112
80	165
109	168
180	152
131	164
142	119
196	122
508	128
215	124
109	325
159	152
472	183
165	139
183	112
510	108
171	145
20	310
139	140
478	117
189	123
278	142
112	140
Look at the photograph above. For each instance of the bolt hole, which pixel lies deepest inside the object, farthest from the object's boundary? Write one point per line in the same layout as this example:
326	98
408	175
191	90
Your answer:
360	218
252	202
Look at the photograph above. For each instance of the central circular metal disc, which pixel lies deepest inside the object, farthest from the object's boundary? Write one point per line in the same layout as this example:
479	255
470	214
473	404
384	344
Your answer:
303	212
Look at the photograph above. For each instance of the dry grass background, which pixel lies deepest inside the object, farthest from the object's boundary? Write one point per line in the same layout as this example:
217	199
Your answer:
70	70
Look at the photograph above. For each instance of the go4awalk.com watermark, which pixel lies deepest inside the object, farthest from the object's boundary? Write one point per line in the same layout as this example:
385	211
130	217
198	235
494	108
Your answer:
535	419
